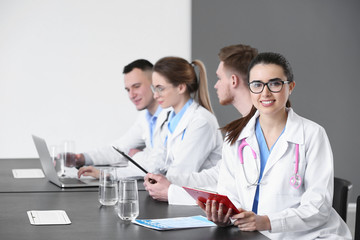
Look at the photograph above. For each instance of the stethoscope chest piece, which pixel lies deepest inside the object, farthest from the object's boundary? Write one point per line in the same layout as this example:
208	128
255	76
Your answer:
295	181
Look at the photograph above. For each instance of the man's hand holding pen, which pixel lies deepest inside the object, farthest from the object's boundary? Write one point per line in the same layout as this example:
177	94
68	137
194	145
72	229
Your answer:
157	186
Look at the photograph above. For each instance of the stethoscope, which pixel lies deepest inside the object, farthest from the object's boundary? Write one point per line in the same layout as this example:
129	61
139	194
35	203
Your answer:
295	180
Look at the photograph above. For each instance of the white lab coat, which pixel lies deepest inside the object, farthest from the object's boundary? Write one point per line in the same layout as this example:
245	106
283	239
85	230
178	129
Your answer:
138	136
303	213
197	149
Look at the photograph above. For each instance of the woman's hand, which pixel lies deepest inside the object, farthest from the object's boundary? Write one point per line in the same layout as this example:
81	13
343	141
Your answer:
249	221
89	171
215	212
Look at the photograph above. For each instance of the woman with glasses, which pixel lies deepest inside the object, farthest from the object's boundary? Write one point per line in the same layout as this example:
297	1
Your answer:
194	141
277	166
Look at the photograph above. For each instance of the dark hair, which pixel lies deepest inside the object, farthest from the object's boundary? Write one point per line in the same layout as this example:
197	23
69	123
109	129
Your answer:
142	64
178	71
237	58
273	58
234	128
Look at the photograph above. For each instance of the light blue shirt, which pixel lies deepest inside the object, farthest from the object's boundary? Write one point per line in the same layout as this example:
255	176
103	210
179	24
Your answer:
174	118
151	119
264	155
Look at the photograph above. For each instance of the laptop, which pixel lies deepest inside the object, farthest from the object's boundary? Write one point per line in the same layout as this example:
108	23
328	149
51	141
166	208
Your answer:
50	172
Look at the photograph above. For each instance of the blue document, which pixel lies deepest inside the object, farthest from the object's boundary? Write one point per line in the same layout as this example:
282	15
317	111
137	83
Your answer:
175	223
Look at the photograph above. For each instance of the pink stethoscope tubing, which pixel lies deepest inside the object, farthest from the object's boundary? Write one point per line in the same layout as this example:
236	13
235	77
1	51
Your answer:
295	180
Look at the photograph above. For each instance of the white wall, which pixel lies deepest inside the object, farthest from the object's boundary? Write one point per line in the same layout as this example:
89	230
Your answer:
61	66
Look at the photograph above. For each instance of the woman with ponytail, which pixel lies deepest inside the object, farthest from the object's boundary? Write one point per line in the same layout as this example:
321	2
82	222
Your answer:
277	166
194	141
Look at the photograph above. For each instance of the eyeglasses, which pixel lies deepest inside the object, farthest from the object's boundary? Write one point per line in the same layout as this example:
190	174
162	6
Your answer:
158	89
274	85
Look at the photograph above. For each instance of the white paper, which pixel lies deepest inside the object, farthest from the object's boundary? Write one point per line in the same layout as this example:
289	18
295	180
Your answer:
175	223
50	217
28	173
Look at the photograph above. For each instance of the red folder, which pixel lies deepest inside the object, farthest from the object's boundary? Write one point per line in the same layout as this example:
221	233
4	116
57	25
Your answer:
203	195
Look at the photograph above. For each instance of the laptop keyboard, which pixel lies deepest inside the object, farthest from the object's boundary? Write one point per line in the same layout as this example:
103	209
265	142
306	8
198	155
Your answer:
70	180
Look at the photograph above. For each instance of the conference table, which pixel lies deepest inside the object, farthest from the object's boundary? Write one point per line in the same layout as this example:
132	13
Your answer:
10	184
89	219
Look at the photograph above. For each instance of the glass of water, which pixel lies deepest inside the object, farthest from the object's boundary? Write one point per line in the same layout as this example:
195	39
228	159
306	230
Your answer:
69	153
128	204
57	159
108	187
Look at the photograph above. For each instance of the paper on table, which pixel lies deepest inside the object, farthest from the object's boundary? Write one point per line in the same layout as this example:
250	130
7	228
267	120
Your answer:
28	173
175	223
50	217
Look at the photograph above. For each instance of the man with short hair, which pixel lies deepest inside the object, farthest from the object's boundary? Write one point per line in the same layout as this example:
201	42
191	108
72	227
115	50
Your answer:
144	141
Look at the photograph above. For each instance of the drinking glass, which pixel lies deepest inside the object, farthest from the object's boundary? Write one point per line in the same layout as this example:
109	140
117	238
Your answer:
57	159
128	204
69	153
108	187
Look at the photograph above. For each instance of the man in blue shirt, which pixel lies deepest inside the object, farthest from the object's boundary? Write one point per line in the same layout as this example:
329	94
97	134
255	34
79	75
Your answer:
144	140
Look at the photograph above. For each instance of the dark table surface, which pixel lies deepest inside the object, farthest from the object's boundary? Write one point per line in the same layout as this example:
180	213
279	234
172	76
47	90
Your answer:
10	184
90	220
